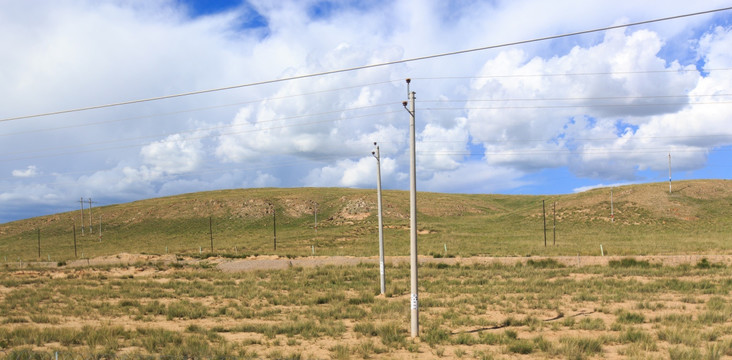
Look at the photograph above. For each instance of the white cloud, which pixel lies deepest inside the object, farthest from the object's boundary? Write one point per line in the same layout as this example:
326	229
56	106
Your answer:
473	178
320	131
30	171
598	186
174	155
349	173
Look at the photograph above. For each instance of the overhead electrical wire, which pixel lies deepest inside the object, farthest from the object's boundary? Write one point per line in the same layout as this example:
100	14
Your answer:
370	66
569	74
272	98
181	140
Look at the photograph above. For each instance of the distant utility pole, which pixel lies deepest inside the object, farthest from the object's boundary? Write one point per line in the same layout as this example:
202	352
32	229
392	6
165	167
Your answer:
91	229
82	215
669	173
554	227
210	232
612	210
75	254
377	155
274	225
413	214
315	213
543	213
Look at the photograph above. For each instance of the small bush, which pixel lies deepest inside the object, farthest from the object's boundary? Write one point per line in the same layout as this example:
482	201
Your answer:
578	348
436	335
392	335
366	329
521	347
630	263
544	264
626	317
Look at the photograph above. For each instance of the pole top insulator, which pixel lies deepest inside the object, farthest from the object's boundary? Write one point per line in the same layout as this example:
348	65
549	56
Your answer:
409	80
404	103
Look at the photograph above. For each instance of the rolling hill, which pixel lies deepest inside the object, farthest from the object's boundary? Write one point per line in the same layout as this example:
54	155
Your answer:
695	219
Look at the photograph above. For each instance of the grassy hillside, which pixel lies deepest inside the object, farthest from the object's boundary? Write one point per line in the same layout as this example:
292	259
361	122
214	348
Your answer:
696	218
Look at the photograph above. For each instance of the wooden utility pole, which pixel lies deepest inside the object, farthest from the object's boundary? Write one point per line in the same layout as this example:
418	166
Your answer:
75	254
210	232
82	215
554	227
612	208
543	212
91	218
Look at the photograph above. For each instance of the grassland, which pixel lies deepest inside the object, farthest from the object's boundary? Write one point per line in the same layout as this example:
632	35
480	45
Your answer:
536	309
695	219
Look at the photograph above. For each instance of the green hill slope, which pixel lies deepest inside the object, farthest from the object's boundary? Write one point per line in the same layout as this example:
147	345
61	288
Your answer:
696	218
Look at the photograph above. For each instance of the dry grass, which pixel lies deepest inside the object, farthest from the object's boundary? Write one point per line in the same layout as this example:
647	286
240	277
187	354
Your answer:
695	219
537	309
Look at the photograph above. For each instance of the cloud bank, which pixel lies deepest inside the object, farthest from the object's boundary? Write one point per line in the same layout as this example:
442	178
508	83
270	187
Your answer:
606	107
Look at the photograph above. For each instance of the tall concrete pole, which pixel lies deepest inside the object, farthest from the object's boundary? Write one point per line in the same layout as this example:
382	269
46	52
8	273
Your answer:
413	216
377	155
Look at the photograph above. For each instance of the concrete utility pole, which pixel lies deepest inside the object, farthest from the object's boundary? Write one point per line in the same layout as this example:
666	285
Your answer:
413	214
381	224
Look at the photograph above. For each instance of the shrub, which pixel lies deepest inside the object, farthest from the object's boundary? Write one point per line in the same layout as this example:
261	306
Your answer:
629	263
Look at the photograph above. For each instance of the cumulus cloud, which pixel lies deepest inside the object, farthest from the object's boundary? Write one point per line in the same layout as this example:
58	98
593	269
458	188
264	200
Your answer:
603	119
350	173
174	155
486	121
30	171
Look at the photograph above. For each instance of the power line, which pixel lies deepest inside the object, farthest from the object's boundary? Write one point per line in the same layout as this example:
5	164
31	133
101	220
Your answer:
363	67
579	98
198	109
570	74
578	106
204	130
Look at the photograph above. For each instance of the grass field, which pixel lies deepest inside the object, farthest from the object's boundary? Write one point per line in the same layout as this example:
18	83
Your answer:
531	306
536	309
695	219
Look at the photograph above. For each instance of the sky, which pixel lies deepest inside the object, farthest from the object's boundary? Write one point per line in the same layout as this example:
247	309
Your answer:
548	117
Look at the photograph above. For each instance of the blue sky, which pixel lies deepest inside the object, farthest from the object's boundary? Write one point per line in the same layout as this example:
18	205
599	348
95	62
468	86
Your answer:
549	117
